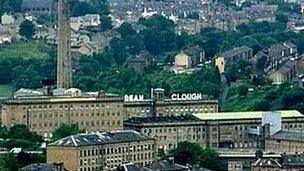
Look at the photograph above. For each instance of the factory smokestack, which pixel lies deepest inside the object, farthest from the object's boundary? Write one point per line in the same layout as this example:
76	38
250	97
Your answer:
64	66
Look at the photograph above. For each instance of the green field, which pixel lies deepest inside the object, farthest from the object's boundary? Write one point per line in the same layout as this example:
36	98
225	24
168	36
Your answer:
26	50
5	90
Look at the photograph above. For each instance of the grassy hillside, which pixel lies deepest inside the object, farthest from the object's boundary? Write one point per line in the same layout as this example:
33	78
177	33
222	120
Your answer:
5	90
266	98
30	49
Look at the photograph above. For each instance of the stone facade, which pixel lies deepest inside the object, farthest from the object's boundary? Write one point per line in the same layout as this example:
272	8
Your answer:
45	115
103	151
215	130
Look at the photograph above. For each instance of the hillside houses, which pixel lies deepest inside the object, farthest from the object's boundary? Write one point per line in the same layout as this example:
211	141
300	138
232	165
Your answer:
39	7
88	21
227	58
189	60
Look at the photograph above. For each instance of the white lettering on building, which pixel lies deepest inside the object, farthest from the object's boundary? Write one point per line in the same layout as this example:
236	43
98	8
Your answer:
134	98
186	96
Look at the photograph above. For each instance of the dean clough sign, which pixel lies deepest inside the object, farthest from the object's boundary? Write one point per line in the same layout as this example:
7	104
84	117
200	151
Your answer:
186	96
134	98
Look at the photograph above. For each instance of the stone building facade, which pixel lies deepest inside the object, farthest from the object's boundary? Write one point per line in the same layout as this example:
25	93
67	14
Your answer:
235	130
93	112
44	115
286	141
102	151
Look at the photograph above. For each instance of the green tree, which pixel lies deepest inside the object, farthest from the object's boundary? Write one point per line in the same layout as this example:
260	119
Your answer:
82	8
187	153
126	29
210	159
106	23
281	18
243	90
9	163
193	154
65	130
22	132
27	29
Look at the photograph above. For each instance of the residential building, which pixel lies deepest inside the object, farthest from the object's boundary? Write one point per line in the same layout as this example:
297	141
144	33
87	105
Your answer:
77	40
286	73
102	151
225	59
87	21
232	130
189	26
89	48
189	58
285	141
141	61
278	54
42	32
5	37
7	19
91	20
40	7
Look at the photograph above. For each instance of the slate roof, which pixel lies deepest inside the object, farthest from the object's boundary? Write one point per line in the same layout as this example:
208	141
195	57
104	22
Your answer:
37	167
131	167
165	165
193	50
101	138
293	160
285	69
288	135
277	48
37	4
236	51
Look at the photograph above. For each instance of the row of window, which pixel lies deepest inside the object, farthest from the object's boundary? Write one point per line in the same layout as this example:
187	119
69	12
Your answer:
116	150
174	130
80	124
69	106
50	115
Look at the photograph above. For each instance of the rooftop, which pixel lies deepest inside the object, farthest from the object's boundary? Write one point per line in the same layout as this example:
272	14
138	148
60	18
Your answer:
262	162
293	160
288	135
165	165
37	3
37	167
101	138
244	115
236	51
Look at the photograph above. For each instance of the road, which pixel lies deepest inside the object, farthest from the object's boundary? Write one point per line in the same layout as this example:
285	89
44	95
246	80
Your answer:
224	92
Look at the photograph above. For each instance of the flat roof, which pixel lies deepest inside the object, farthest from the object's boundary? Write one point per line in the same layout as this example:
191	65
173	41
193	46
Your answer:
245	115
